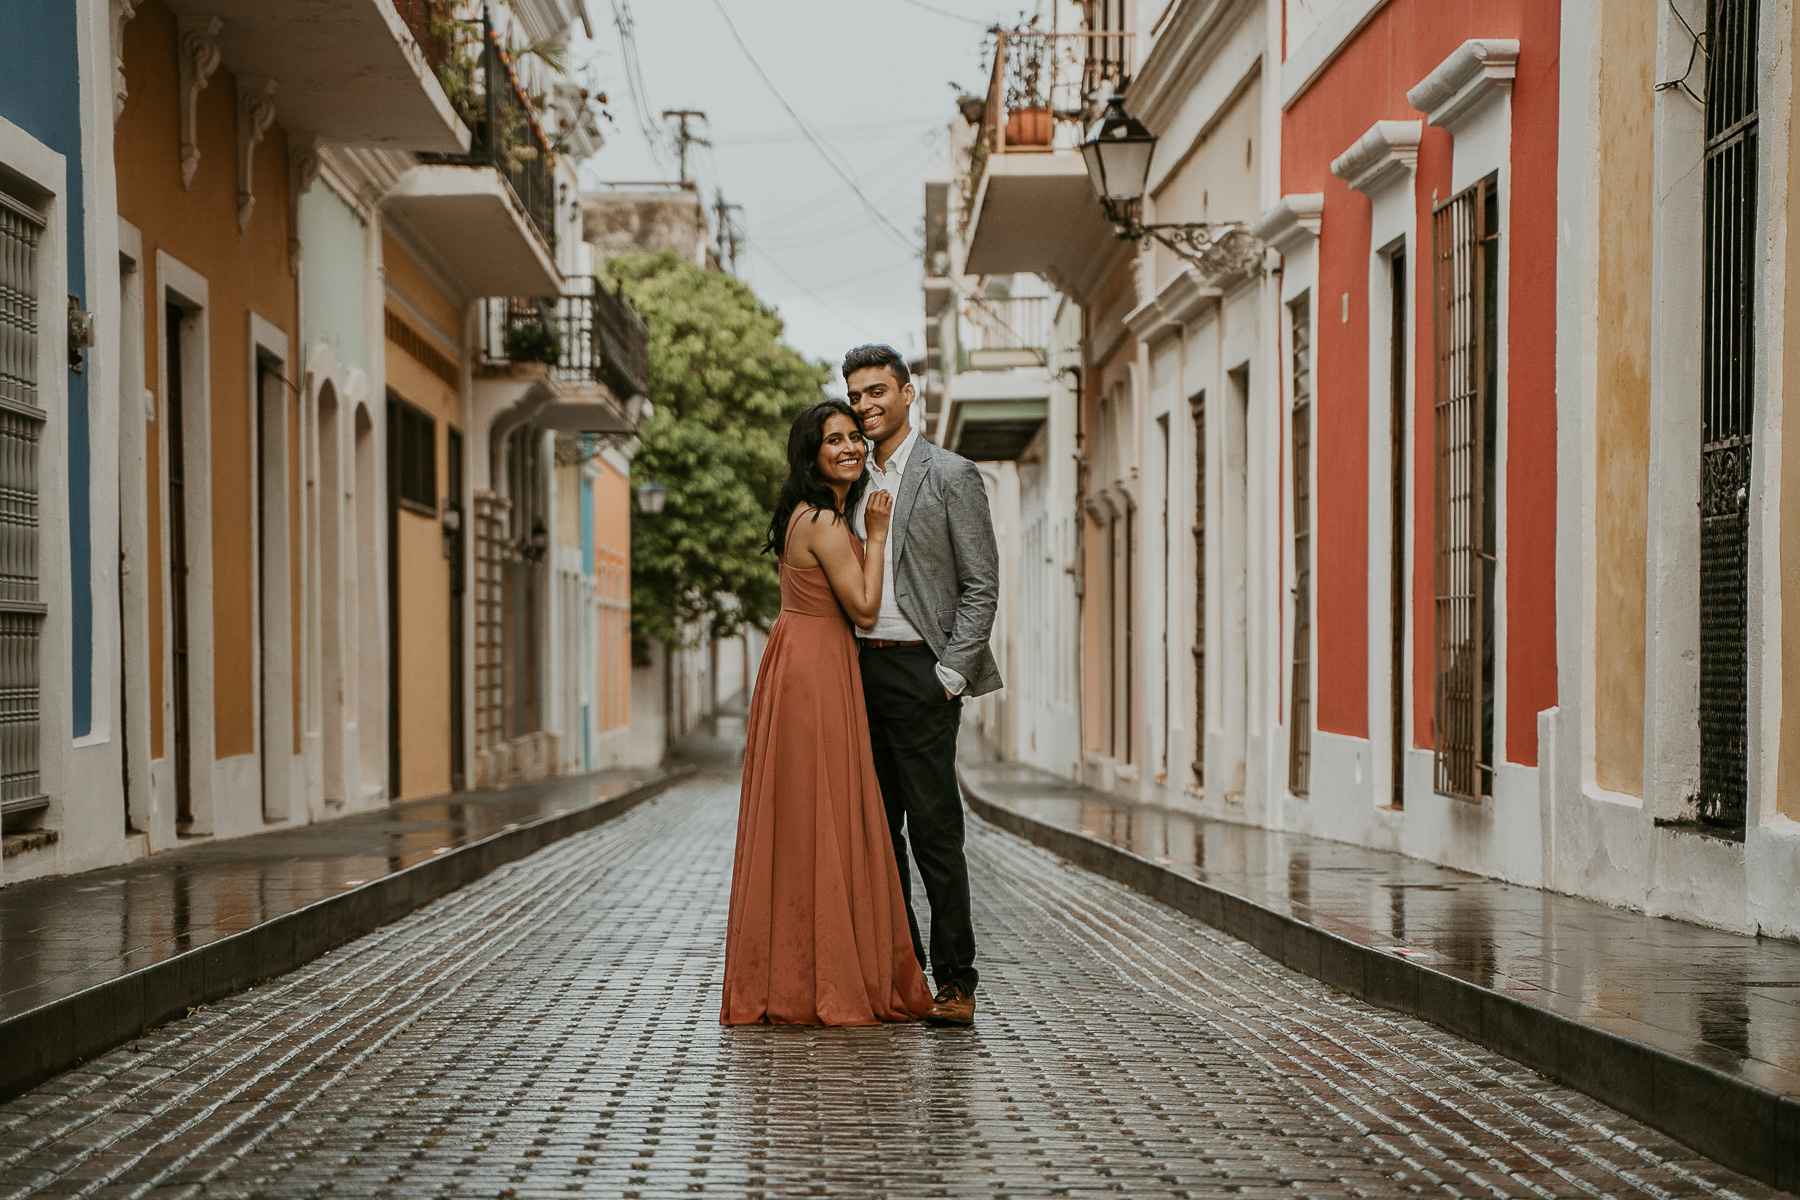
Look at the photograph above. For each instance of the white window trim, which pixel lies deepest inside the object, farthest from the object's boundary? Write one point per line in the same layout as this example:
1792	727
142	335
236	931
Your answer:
1382	164
37	176
177	282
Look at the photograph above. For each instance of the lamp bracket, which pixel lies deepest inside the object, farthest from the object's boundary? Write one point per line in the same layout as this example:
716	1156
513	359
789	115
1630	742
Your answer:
1215	247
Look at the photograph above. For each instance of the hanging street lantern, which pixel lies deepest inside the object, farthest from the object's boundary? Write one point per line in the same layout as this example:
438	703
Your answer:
1117	151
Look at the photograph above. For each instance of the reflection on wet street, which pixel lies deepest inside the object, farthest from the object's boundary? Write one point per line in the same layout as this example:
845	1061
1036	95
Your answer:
61	935
1726	1000
552	1029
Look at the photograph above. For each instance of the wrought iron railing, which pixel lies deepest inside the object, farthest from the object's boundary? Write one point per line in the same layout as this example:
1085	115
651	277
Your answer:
1043	85
504	130
586	334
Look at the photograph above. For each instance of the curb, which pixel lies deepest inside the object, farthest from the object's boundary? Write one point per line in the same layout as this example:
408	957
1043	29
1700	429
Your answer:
1730	1120
54	1037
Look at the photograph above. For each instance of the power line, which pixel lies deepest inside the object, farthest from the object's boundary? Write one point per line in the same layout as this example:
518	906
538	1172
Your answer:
634	78
944	12
816	298
880	217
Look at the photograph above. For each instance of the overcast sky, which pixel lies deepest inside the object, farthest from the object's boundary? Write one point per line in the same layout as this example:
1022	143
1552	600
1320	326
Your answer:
872	77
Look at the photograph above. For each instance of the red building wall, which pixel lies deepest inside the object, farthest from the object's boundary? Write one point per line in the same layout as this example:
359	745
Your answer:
1368	82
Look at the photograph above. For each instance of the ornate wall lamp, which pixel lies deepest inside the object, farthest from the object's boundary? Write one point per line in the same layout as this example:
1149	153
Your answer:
1117	152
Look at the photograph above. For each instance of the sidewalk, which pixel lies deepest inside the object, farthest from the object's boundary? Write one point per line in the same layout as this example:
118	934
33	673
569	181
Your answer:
90	960
1693	1030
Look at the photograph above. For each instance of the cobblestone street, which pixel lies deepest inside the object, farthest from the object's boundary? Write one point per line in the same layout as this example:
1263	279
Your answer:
552	1029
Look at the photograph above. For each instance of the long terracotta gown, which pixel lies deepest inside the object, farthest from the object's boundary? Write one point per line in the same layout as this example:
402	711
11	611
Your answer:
817	933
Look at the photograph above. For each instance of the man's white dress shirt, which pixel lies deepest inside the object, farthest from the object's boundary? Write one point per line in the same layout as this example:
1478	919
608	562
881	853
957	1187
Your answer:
891	624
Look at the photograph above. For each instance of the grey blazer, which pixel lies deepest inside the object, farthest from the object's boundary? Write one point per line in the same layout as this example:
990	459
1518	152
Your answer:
946	566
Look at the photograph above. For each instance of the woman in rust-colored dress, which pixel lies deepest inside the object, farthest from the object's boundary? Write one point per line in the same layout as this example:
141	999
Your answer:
817	933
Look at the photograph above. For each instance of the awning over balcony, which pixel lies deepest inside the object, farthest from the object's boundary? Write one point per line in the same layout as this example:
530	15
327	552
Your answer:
471	220
995	414
346	71
995	430
1037	213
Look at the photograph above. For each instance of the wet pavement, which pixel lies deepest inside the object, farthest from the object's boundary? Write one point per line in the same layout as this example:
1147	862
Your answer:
1727	1001
62	935
552	1030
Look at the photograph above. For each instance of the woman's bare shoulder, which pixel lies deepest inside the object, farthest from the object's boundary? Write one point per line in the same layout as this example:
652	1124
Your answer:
815	527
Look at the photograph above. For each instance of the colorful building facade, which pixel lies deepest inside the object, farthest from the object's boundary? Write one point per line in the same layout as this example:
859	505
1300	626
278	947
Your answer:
242	579
1426	458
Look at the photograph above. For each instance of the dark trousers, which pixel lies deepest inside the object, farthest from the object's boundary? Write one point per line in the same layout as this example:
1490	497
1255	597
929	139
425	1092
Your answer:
912	728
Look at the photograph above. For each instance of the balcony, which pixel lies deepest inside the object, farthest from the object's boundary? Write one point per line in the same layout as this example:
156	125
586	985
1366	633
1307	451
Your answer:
937	243
1000	392
1028	206
1003	332
587	346
348	72
489	214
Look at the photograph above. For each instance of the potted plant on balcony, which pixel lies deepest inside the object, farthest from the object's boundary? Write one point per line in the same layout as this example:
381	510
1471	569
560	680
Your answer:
1028	122
533	338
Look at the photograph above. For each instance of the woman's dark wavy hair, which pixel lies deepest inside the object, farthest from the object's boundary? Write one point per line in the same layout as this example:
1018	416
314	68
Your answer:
804	484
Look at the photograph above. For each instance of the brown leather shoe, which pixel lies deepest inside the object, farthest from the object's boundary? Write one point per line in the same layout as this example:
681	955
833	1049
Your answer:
953	1007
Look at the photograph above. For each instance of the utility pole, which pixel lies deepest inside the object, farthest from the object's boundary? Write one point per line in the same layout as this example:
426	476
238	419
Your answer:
683	136
730	233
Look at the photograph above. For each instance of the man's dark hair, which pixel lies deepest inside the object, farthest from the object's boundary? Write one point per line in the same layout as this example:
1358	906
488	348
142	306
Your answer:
877	355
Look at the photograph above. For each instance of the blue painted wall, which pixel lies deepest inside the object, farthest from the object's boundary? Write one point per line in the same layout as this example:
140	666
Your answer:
40	92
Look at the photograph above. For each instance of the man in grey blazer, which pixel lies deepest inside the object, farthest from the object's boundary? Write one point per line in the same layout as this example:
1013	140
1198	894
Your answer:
927	650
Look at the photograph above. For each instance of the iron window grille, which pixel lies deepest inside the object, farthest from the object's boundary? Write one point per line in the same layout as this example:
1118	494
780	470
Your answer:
21	429
1728	305
1300	694
415	451
1466	253
1199	407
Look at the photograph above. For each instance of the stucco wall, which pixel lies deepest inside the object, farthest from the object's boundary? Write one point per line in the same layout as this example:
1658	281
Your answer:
333	271
423	599
1367	82
1626	137
611	496
1787	793
246	272
41	93
1219	176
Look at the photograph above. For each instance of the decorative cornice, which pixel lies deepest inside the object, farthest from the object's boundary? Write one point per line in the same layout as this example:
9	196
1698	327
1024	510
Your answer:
199	55
1292	221
304	164
1477	70
255	113
1381	156
122	12
1181	299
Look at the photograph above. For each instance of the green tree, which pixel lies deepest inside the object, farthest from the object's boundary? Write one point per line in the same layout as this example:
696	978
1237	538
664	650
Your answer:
726	388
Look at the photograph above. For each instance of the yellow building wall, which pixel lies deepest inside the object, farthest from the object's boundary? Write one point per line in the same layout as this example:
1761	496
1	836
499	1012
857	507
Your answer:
423	596
1627	149
612	569
246	272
